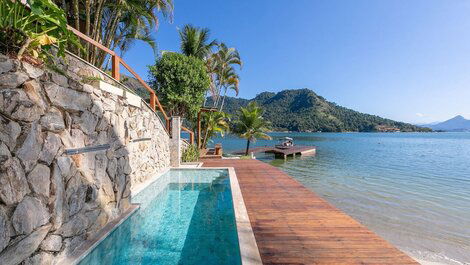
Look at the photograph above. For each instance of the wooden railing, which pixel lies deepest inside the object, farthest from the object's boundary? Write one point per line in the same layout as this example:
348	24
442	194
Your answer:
115	73
191	134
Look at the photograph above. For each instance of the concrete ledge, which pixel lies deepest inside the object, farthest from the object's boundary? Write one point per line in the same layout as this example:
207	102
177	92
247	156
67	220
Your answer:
133	100
190	165
110	88
249	251
88	246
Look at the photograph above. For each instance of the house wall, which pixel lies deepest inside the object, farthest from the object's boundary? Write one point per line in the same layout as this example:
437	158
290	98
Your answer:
51	201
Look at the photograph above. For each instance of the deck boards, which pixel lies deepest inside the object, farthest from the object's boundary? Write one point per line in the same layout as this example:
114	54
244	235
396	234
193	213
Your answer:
297	149
293	225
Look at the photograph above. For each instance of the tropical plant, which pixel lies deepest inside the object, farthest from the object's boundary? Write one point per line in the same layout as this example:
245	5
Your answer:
115	23
33	30
229	80
214	123
251	125
180	82
190	154
225	59
195	42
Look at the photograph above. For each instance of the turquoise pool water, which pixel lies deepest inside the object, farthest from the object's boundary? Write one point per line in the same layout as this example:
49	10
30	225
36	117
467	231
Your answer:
186	217
413	189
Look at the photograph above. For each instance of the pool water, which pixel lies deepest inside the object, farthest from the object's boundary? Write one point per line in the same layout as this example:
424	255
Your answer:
185	217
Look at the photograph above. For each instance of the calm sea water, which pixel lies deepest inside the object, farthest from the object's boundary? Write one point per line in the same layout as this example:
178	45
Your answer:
413	189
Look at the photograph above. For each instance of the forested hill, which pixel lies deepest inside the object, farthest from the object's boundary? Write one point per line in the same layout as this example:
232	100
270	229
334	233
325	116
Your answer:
304	110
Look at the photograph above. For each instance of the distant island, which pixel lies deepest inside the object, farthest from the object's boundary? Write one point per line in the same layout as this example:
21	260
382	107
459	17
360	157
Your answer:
456	124
303	110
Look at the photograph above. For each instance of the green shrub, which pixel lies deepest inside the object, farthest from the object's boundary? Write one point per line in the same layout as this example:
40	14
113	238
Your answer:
191	154
32	31
180	82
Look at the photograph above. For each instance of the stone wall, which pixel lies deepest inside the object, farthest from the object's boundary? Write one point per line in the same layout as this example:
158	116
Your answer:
50	202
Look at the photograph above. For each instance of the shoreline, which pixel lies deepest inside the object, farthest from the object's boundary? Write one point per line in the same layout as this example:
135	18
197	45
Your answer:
432	258
429	262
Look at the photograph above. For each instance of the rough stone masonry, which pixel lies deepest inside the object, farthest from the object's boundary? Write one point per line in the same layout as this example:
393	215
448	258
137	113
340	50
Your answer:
50	202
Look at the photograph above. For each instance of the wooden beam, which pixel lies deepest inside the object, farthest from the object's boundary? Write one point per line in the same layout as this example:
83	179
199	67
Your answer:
191	134
115	67
152	101
92	41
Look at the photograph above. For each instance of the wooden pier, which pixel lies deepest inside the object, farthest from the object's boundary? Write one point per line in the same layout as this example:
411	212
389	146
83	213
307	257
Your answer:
293	225
283	153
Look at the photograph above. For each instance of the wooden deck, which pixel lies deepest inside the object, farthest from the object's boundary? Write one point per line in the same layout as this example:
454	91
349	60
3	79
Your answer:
294	150
292	225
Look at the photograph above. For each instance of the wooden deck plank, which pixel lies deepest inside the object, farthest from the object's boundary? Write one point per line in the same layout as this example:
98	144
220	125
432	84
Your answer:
296	149
293	225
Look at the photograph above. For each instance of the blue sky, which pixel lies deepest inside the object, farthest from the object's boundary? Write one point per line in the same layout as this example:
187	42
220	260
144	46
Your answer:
400	59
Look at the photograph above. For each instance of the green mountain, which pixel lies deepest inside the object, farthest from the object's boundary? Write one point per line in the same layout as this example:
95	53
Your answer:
304	110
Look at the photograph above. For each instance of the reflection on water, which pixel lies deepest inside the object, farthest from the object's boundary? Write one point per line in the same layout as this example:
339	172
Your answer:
411	188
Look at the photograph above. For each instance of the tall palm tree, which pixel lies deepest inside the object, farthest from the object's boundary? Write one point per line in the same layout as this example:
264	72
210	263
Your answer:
195	42
251	125
214	123
229	79
225	59
115	23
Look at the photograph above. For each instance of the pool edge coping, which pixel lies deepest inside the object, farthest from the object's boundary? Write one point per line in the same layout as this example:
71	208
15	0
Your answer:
249	251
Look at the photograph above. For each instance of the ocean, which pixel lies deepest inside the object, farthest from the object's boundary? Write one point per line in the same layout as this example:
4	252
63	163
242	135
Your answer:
413	189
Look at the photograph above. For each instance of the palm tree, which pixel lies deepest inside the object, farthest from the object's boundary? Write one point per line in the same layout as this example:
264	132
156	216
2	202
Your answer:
214	123
225	59
195	42
115	23
251	125
229	80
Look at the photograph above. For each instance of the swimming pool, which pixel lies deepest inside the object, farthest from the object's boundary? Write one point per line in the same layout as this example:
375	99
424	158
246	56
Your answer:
185	217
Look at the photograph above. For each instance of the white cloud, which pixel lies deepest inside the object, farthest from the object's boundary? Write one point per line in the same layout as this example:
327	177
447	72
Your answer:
420	114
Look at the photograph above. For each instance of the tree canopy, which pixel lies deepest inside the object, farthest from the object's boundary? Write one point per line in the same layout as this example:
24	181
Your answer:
115	23
195	42
251	125
180	81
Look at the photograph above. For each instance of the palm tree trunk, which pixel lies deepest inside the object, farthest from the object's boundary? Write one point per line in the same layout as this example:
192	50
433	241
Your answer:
223	99
247	146
216	103
76	14
96	30
97	20
110	31
204	142
87	26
